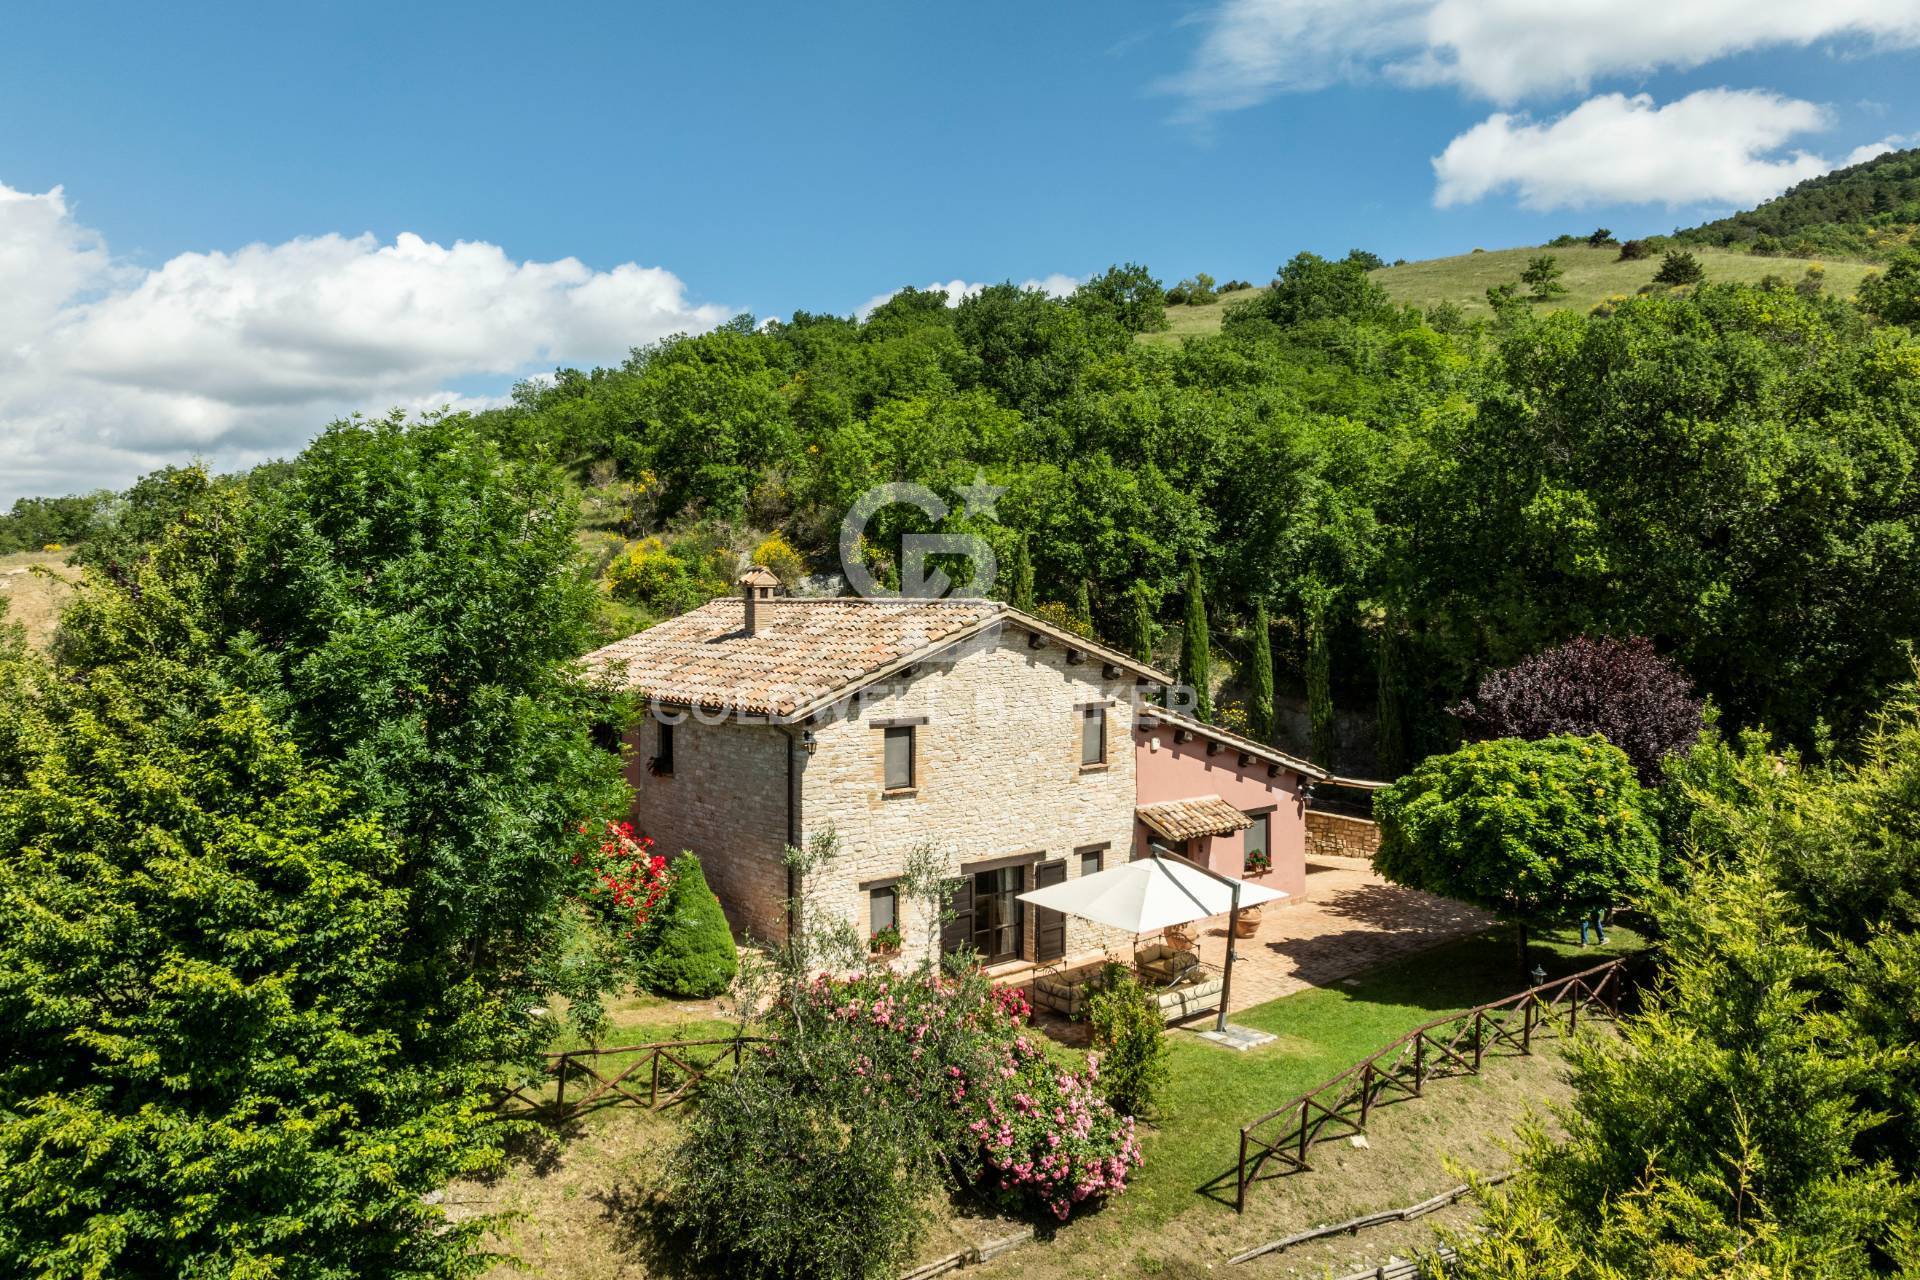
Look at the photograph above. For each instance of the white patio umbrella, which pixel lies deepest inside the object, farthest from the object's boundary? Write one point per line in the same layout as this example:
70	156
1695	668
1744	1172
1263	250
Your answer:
1152	893
1148	895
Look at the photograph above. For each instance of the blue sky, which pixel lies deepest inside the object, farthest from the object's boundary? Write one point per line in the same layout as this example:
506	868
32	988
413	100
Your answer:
698	161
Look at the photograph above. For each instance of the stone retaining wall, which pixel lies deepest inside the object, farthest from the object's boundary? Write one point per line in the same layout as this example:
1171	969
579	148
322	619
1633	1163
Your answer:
1334	835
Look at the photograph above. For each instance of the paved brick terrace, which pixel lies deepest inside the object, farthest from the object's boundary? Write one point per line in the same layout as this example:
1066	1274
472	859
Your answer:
1349	921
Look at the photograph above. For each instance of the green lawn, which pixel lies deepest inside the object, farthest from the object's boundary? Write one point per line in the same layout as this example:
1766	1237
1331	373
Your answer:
1322	1032
1592	276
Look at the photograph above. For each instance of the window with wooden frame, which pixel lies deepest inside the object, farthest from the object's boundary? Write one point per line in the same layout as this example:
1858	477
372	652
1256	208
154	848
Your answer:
897	768
1093	860
1093	735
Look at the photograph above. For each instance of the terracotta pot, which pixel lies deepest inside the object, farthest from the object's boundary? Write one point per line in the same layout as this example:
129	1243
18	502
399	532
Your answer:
1248	924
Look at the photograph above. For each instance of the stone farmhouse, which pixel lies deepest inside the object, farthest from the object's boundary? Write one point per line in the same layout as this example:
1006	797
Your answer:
1021	753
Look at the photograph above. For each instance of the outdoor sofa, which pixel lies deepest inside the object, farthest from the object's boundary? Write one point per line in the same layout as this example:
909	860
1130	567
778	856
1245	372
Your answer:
1175	980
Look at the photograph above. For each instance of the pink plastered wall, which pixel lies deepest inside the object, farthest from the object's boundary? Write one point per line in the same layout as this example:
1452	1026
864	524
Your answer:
1169	770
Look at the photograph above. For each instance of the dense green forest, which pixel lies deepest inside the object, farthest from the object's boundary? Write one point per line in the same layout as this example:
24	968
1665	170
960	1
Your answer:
1728	470
1866	210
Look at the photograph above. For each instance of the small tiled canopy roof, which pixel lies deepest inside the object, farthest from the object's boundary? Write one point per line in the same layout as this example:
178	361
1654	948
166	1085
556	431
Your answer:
1200	816
806	652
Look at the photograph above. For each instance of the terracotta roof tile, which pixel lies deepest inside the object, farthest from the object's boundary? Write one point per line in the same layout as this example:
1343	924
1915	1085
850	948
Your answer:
1200	816
806	649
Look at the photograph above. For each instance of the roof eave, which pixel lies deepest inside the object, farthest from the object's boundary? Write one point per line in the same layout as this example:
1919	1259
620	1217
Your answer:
1305	768
1093	648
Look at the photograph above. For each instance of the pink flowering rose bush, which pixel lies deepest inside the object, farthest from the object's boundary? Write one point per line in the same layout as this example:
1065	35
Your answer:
1017	1118
823	1153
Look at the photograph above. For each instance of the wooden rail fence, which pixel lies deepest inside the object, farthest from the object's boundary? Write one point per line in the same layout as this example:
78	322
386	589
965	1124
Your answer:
1276	1144
663	1073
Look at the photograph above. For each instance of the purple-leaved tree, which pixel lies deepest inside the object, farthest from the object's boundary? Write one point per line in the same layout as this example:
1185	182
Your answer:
1618	688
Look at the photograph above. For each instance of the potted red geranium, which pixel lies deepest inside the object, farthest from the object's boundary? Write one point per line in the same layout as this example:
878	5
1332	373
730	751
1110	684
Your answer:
885	943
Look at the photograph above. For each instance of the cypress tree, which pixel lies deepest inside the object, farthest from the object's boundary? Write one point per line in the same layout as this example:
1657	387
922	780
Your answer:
1142	626
1020	576
1196	656
1390	754
1260	712
1083	606
1319	678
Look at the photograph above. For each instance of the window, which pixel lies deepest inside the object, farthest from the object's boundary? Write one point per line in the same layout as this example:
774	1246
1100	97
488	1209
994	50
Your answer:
663	750
999	916
1093	736
883	910
1090	860
1259	843
899	758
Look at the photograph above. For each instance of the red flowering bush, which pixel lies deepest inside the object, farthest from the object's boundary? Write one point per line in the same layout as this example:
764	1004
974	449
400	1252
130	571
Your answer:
625	878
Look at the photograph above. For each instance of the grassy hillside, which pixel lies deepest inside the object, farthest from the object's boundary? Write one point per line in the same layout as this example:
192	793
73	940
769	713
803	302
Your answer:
32	599
1592	276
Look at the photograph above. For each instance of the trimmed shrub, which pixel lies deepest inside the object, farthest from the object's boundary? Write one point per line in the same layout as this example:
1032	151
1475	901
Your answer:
1129	1041
692	954
1537	832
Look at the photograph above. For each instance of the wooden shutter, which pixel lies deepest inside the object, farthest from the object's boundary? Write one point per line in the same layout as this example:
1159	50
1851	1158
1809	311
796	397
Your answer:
957	933
1049	927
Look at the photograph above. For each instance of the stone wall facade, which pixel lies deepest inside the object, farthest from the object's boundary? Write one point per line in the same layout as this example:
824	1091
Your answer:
727	801
1335	835
998	778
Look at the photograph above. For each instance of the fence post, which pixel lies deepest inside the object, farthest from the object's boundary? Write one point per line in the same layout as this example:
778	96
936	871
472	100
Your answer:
653	1091
1366	1094
1303	1132
1419	1063
1240	1177
1573	1009
1479	1028
1526	1025
560	1095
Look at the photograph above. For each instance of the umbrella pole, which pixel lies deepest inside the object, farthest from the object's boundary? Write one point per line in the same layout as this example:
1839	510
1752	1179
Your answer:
1226	976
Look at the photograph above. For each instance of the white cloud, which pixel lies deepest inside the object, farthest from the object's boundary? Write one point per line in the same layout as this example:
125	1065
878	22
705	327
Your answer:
108	370
1715	146
1867	151
1506	50
1056	284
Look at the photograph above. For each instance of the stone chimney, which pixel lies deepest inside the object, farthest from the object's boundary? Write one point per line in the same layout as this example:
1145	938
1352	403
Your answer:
756	585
